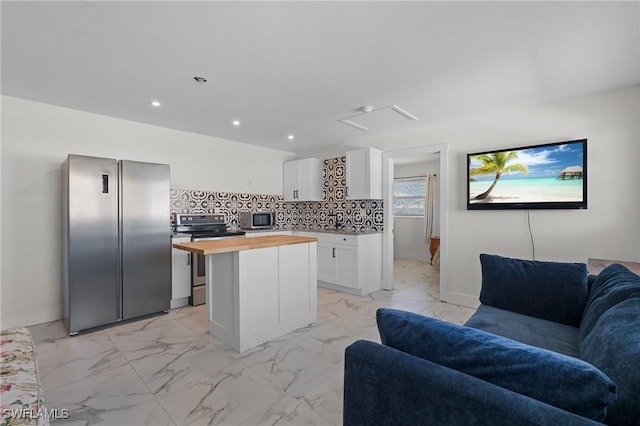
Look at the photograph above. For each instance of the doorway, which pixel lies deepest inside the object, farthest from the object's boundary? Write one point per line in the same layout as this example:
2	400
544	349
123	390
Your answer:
389	159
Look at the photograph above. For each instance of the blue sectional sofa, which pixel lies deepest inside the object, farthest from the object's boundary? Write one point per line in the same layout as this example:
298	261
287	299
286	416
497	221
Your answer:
549	345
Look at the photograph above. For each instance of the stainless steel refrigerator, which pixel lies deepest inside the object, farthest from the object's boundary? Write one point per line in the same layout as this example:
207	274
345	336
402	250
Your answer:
116	240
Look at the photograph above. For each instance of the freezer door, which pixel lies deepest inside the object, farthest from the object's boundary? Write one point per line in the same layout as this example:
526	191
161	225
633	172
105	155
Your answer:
146	238
90	278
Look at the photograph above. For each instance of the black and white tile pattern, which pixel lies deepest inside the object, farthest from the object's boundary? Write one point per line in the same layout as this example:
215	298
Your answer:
354	215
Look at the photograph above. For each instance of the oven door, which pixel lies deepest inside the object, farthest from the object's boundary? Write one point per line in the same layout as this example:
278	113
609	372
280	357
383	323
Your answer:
198	275
197	271
198	281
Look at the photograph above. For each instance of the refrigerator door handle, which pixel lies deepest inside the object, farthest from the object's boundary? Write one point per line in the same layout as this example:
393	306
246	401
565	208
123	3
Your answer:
105	184
188	258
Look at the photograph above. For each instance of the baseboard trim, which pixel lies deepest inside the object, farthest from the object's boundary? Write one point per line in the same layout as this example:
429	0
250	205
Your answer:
31	318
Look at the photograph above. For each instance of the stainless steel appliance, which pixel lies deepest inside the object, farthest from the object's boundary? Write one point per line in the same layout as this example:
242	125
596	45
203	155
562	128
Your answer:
116	241
202	227
257	220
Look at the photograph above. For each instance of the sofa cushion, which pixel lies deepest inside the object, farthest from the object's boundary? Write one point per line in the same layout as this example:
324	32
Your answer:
558	380
613	346
553	291
534	331
614	284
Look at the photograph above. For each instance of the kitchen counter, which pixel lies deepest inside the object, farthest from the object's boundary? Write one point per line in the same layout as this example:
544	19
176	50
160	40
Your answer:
337	231
227	245
320	230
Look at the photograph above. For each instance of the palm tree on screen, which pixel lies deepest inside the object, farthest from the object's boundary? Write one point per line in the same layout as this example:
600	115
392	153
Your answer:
496	163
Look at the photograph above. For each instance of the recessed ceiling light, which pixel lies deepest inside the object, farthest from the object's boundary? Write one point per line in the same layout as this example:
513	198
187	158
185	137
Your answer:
155	104
236	122
291	137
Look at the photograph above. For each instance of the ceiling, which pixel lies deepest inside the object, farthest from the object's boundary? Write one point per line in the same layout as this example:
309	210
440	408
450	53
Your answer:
297	67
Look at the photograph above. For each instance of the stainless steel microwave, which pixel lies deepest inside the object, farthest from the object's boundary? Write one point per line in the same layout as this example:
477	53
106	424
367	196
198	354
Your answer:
257	220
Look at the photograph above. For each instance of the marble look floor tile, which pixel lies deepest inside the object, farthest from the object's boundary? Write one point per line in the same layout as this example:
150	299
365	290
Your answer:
195	318
336	335
289	363
289	411
324	315
69	359
418	292
159	321
137	344
449	312
341	304
160	371
48	332
233	396
325	394
116	397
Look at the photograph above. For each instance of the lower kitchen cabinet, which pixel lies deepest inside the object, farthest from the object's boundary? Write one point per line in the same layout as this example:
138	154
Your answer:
337	264
349	263
180	274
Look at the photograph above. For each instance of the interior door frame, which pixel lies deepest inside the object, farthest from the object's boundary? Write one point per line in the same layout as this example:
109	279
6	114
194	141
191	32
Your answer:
387	194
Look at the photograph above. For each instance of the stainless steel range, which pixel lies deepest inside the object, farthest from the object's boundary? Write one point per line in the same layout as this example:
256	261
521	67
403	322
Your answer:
202	227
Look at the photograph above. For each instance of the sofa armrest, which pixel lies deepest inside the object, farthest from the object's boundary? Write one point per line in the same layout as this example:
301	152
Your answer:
384	386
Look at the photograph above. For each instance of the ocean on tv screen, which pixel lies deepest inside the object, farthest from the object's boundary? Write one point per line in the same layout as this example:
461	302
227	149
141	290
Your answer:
527	190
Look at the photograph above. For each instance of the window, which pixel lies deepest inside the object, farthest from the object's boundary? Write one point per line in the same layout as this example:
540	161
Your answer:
409	197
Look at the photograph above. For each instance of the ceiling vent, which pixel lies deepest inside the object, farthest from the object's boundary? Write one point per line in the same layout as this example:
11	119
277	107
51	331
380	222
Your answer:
370	117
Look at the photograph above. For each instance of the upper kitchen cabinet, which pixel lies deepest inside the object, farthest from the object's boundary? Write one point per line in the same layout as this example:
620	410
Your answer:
303	180
364	174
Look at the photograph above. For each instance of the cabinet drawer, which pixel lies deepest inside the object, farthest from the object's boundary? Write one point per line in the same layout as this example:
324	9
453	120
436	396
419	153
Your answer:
329	238
339	239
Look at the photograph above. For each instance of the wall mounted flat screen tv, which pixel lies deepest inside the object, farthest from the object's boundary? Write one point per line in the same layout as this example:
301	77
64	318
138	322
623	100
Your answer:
548	176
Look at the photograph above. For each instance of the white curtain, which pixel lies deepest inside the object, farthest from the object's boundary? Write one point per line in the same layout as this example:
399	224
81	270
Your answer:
429	206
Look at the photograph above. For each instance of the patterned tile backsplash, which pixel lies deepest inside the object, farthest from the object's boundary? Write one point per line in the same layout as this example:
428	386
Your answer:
354	215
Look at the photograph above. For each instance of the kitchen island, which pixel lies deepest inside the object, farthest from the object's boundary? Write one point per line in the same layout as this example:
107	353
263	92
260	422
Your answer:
258	288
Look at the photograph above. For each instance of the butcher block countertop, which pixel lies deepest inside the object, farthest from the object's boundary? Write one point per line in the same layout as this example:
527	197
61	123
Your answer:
226	245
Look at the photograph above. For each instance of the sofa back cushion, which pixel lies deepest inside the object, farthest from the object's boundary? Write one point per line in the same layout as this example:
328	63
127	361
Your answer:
614	284
553	291
611	339
565	382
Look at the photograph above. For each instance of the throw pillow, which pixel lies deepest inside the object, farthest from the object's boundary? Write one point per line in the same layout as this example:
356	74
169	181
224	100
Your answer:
565	382
554	291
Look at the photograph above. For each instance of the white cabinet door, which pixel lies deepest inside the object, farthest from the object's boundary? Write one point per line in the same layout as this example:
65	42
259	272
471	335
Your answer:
346	264
290	184
364	174
302	180
310	180
338	264
180	271
326	263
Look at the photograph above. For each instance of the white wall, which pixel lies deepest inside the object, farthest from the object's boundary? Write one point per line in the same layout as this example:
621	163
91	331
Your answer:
36	139
610	228
408	237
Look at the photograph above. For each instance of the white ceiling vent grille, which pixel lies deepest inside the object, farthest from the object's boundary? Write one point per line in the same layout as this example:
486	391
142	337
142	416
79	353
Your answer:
370	118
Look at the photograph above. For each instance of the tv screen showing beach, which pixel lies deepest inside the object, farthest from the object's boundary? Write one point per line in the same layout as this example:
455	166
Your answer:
542	176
